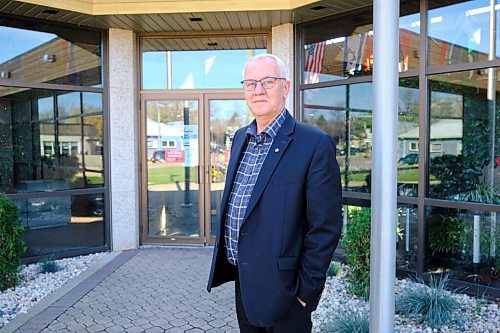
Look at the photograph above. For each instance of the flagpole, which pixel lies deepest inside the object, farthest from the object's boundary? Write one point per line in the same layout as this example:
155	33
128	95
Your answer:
384	180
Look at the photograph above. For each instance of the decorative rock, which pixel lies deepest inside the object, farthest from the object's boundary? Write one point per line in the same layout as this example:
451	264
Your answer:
35	286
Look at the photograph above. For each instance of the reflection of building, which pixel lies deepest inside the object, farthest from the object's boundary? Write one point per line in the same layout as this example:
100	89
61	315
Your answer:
95	90
445	139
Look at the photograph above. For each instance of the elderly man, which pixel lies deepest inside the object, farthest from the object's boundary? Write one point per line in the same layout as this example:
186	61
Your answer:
281	210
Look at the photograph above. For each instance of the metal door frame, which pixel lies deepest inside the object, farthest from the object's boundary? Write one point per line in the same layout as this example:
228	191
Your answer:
204	174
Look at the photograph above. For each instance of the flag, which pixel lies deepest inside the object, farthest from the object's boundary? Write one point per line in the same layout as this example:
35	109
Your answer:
315	53
353	53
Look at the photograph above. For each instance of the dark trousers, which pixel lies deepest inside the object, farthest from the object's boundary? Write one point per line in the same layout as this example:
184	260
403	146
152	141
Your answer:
296	320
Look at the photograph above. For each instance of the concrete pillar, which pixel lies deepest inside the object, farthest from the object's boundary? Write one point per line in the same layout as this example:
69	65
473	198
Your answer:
283	46
123	140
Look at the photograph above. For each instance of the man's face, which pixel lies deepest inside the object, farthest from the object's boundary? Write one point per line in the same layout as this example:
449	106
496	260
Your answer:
261	102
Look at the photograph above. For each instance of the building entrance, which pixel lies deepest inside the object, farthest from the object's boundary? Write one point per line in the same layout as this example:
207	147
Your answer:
186	140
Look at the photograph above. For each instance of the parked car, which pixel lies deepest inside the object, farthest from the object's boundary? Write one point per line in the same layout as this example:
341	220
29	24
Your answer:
409	159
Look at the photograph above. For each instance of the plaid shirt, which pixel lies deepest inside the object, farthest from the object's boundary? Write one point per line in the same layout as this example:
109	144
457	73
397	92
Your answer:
253	155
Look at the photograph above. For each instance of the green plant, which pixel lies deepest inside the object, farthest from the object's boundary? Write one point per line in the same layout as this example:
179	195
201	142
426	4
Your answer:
11	244
446	235
48	265
334	269
357	245
349	320
432	304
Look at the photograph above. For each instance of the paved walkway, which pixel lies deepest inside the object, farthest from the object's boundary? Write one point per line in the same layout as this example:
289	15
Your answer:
146	290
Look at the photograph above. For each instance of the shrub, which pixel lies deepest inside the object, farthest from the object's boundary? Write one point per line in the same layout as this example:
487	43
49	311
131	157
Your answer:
334	269
349	320
446	235
357	246
49	266
433	304
11	244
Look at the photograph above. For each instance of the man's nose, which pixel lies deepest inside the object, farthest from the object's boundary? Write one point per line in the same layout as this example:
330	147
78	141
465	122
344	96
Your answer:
259	89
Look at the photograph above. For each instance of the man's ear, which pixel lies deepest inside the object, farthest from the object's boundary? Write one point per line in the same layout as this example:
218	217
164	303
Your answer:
287	88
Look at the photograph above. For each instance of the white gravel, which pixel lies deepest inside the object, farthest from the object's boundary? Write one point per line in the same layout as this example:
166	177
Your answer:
472	317
35	286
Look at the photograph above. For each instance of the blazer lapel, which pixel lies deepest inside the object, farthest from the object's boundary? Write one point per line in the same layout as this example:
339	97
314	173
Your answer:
280	143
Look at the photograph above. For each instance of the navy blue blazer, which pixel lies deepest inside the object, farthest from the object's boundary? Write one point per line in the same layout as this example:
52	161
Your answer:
291	227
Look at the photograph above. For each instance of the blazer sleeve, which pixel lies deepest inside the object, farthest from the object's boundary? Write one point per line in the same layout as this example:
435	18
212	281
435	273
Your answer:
324	220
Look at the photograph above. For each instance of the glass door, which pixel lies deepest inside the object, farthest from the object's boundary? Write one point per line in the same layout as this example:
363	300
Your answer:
171	201
186	141
226	114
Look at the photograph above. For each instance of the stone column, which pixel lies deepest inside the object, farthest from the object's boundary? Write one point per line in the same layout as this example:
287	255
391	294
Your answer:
283	47
123	140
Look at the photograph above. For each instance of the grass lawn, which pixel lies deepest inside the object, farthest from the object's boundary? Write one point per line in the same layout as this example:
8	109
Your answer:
169	174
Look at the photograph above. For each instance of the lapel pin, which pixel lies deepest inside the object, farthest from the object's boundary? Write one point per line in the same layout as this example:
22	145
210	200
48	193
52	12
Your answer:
276	150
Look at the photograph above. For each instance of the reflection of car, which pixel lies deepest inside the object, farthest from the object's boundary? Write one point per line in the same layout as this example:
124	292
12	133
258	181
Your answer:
409	159
158	156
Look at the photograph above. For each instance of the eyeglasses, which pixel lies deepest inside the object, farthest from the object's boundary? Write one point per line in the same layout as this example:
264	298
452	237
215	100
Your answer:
267	83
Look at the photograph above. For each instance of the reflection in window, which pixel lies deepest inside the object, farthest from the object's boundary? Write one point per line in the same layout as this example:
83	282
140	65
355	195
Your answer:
77	221
464	243
64	57
68	104
345	49
459	33
42	152
408	136
464	135
407	238
162	69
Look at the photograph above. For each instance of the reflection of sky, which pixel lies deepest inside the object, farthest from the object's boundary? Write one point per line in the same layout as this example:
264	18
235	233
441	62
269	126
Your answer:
196	69
465	24
225	109
18	41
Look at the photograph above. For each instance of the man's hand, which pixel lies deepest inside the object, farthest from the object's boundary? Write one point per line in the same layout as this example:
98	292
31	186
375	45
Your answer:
301	302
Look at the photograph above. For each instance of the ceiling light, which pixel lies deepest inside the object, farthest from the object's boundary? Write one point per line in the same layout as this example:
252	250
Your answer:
319	7
50	11
212	44
195	19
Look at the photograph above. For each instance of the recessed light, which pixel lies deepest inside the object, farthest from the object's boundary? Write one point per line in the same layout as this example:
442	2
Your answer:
50	11
318	7
212	44
195	19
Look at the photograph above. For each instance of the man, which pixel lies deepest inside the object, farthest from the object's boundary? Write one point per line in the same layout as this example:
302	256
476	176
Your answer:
281	210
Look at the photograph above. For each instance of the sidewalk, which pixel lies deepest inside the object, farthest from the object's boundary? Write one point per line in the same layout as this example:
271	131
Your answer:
147	290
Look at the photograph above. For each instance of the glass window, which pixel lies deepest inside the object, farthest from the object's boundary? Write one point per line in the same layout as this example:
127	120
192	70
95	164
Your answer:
55	55
68	104
62	224
464	137
459	33
345	48
464	243
167	65
42	152
408	136
407	238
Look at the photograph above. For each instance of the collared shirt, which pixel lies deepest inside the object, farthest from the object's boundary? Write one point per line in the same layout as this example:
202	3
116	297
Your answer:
252	157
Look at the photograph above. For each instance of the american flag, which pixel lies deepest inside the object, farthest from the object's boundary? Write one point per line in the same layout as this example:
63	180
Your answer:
314	60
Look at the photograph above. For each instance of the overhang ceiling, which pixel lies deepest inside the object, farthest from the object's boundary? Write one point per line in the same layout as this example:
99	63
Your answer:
189	16
187	22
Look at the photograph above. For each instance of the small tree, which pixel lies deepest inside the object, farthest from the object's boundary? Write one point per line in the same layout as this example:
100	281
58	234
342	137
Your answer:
11	244
357	246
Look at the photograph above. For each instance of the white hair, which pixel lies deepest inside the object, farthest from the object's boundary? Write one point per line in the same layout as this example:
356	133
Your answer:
279	62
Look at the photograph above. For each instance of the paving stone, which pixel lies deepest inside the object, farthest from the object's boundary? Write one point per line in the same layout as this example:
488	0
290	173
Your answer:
160	289
155	330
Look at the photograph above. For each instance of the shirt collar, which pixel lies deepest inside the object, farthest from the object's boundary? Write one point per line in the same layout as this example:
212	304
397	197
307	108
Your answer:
271	129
